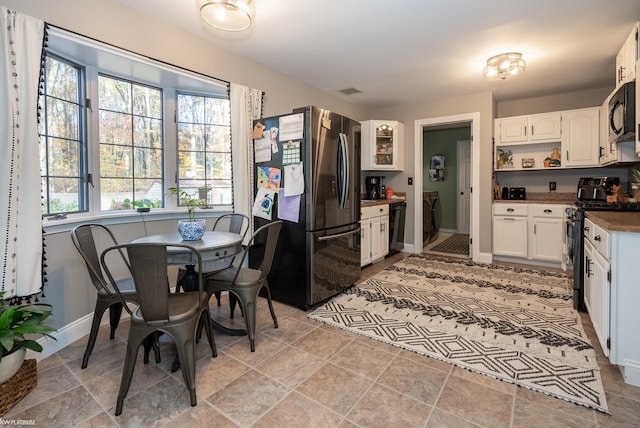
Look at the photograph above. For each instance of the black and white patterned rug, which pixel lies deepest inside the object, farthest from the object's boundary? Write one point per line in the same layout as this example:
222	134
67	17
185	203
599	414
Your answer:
513	324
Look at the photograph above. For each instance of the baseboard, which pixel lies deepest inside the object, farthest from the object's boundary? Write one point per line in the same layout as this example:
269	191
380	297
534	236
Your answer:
483	258
631	372
68	334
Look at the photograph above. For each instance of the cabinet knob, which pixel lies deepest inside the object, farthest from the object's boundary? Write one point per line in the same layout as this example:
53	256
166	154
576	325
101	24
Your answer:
586	228
548	211
596	238
510	210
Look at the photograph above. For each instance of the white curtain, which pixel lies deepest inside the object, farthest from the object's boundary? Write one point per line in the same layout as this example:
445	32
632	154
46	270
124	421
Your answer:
246	106
21	41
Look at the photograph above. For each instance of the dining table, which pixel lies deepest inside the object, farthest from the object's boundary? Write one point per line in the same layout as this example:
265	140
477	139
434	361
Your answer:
214	245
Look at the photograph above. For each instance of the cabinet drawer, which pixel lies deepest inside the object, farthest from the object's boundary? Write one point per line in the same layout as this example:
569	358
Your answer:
365	213
510	209
379	210
598	237
548	211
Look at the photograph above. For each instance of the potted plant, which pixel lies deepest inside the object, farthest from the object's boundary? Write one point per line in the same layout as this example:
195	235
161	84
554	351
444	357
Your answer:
15	323
191	229
203	193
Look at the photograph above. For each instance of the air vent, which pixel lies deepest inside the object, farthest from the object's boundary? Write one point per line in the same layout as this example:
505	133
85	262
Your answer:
350	91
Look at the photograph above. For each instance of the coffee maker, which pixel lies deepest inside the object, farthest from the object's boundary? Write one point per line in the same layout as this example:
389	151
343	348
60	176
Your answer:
375	188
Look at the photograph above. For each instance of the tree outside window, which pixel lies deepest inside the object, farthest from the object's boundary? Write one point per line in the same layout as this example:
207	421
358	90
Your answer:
204	148
131	144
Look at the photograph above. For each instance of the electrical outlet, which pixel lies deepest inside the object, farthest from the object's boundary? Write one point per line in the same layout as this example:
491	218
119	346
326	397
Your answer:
410	181
552	186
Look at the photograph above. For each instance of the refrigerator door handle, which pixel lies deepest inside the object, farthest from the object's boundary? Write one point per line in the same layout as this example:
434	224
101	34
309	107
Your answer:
339	235
343	170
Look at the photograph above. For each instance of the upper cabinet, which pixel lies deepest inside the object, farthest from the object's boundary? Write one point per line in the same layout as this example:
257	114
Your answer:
525	129
563	139
627	58
580	137
382	145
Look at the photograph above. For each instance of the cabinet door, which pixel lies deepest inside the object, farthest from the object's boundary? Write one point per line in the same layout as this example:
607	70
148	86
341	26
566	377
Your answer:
384	235
580	134
376	253
381	145
365	242
510	236
546	239
545	126
600	298
513	129
587	275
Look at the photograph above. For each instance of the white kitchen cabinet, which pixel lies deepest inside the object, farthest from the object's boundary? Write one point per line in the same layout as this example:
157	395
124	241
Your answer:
580	137
627	58
374	233
546	224
532	139
526	129
510	229
597	281
382	145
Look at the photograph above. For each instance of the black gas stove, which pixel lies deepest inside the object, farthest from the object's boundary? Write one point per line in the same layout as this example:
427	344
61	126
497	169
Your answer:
591	205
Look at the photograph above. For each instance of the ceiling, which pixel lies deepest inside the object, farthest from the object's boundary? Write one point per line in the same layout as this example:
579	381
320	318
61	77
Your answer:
400	52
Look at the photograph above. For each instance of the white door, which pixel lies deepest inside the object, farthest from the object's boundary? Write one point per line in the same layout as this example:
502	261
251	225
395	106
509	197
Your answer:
464	186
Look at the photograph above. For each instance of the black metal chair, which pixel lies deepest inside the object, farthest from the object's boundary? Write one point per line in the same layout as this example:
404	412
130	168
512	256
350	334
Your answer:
84	239
245	283
160	310
234	223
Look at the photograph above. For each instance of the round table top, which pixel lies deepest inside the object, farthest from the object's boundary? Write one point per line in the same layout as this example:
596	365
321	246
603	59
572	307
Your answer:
213	245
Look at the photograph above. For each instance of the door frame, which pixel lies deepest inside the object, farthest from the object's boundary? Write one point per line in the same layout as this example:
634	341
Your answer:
461	145
419	126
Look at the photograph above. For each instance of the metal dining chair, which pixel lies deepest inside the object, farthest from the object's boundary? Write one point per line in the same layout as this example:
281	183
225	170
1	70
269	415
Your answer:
160	310
84	239
245	283
234	223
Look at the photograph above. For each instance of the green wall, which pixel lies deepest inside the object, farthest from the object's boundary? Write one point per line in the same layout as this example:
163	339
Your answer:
443	142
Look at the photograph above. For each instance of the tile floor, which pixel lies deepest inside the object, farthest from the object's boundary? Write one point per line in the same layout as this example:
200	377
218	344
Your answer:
303	374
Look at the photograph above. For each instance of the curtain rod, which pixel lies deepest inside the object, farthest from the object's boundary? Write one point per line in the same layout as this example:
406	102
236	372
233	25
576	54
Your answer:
136	53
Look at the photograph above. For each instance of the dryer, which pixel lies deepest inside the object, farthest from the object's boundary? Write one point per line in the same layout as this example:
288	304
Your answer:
431	216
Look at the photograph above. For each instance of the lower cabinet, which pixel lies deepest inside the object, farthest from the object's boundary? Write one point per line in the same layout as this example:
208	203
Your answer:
529	231
374	233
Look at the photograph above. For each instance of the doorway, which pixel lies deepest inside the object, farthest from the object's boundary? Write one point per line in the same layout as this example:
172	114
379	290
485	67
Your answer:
471	120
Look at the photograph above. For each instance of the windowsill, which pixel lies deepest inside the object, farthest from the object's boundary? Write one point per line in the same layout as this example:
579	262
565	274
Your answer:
123	217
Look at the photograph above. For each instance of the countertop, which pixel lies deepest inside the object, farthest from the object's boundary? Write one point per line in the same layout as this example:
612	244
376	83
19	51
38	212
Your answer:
544	198
616	221
369	203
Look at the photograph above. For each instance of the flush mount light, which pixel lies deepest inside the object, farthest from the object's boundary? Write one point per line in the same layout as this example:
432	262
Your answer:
504	66
227	15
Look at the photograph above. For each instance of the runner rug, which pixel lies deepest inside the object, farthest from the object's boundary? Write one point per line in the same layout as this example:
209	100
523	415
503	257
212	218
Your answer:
513	324
455	244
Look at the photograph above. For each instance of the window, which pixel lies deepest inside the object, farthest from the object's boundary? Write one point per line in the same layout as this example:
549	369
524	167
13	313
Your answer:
131	153
62	138
204	148
117	129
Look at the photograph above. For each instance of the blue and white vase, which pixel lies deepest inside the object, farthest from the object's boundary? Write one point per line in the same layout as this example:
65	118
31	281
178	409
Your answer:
191	230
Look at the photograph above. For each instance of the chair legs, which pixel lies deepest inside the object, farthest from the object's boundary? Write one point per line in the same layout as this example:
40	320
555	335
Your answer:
115	311
101	306
247	298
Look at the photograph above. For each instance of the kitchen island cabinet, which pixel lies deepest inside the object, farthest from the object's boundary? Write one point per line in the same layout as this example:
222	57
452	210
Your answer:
619	236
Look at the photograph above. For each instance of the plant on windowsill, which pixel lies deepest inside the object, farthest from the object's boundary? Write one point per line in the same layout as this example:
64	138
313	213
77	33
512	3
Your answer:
191	229
15	323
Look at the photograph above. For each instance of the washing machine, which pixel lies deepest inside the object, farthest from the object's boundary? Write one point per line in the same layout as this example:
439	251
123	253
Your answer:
431	217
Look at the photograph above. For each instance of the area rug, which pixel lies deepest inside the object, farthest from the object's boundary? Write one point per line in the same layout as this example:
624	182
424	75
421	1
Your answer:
513	324
455	244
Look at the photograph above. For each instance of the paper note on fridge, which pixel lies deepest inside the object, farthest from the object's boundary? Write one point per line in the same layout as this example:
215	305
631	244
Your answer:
263	205
288	207
268	177
291	127
293	179
262	149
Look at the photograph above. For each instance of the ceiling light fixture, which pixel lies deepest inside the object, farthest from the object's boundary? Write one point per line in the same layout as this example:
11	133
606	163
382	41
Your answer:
504	66
227	15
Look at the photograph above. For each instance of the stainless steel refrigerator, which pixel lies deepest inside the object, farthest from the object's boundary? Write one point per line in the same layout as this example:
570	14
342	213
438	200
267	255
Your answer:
317	256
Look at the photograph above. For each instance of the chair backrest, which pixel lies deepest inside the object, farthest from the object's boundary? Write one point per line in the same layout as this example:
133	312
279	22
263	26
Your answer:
148	263
83	238
267	238
234	223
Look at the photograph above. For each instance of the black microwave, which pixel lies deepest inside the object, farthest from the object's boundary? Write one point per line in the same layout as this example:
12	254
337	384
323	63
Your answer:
622	113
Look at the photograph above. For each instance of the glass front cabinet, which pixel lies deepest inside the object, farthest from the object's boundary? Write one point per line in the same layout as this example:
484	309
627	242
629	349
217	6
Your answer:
382	145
